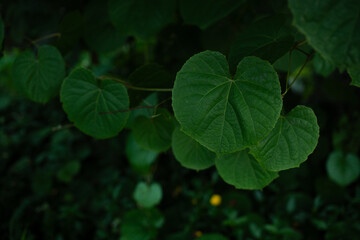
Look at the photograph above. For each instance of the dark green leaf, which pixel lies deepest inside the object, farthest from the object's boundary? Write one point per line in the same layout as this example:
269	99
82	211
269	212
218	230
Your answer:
85	98
39	77
224	113
70	30
68	171
331	27
294	137
343	169
140	159
147	196
322	66
204	13
141	18
243	171
354	73
190	153
269	39
212	236
99	33
154	133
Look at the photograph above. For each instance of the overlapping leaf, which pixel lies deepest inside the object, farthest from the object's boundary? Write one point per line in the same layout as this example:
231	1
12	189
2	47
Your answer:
39	77
85	98
331	27
289	144
243	171
154	133
354	73
204	13
190	153
141	18
270	38
224	113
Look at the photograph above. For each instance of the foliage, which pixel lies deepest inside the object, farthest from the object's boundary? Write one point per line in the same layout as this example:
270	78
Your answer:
108	107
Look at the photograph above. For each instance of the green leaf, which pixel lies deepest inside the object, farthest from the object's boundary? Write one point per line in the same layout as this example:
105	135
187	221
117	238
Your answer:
150	101
154	133
343	169
141	18
204	13
70	30
99	33
270	38
354	73
85	98
68	171
190	153
243	171
147	196
331	28
1	31
141	224
140	159
322	66
150	75
224	113
293	139
212	236
39	77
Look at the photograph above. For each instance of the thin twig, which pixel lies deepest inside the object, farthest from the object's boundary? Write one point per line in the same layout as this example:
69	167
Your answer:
46	37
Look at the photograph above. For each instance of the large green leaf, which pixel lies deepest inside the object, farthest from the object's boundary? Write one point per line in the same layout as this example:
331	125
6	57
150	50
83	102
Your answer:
1	31
354	73
289	144
154	133
85	99
270	38
99	33
141	18
39	77
243	171
224	113
140	159
343	169
147	196
190	153
331	27
204	13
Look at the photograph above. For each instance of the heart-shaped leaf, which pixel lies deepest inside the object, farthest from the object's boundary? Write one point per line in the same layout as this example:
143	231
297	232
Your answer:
39	77
289	144
146	195
190	153
204	13
154	133
141	18
270	38
331	27
224	113
343	169
243	171
90	103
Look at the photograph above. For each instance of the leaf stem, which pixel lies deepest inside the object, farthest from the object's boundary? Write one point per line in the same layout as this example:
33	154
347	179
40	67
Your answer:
46	37
130	86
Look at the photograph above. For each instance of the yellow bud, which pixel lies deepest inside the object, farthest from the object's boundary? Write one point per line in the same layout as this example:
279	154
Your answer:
198	233
215	200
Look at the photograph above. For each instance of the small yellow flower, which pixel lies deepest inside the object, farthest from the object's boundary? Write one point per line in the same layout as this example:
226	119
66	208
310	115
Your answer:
198	233
215	200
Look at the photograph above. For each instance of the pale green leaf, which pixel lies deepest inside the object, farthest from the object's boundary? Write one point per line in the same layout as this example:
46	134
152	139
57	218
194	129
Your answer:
343	169
140	159
39	77
154	133
224	113
243	171
354	73
190	153
141	18
331	27
270	38
92	103
147	196
204	13
293	139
